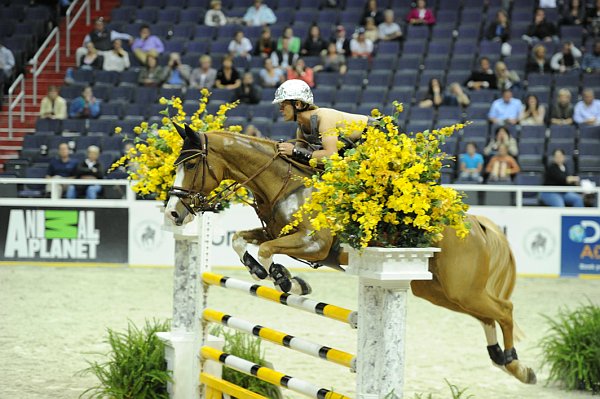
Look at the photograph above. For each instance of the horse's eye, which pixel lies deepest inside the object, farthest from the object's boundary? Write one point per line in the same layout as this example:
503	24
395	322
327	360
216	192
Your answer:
190	165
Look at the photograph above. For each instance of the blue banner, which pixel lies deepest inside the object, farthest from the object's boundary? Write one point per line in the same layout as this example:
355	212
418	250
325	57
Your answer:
580	248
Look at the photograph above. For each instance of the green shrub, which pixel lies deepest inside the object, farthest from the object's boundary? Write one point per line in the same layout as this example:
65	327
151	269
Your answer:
572	348
136	366
455	391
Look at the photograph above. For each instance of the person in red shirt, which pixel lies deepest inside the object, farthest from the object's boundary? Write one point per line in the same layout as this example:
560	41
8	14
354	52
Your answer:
302	72
421	15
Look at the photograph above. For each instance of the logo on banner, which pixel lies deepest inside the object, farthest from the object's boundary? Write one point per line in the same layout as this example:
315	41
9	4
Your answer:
148	234
51	234
539	243
580	245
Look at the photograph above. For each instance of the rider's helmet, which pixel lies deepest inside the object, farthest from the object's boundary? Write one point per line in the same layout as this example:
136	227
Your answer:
294	90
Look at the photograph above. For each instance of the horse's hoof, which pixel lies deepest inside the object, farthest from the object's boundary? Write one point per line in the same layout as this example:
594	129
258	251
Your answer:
531	378
256	270
300	286
281	277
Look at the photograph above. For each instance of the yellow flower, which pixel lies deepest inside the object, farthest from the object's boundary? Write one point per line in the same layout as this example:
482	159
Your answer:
137	130
144	125
204	92
118	130
163	101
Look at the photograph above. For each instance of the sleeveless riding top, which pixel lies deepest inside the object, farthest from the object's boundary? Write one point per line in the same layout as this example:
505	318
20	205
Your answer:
313	137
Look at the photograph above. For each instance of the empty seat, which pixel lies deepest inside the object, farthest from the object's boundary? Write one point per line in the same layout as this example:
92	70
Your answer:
48	125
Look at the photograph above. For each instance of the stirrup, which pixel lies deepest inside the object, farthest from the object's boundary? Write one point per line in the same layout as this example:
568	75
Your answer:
281	277
256	270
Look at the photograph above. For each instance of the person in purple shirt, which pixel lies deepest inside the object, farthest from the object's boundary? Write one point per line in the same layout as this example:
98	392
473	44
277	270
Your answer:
146	44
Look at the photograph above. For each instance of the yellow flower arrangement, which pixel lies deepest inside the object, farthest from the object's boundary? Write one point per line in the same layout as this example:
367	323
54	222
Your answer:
385	191
150	162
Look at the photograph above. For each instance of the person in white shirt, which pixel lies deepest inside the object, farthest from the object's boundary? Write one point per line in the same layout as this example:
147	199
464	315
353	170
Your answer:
388	29
360	46
259	14
567	59
117	59
240	46
215	16
587	111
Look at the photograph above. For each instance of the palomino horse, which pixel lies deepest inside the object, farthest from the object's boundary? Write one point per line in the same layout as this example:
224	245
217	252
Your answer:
475	276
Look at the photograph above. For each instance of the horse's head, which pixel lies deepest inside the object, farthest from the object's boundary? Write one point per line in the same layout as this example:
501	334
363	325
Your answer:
194	180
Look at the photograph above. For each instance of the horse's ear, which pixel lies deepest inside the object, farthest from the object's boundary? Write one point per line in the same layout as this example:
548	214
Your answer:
192	135
180	130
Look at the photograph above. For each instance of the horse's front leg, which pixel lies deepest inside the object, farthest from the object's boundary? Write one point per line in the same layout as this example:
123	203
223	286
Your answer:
240	242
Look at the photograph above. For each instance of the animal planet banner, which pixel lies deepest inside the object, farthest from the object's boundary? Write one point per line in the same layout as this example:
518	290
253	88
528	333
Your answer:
64	234
580	245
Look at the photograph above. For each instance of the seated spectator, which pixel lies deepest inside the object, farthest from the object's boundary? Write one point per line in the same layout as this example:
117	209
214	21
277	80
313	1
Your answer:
502	167
7	65
284	58
371	11
505	110
572	13
53	106
240	46
561	112
456	96
540	29
360	46
61	167
420	15
147	44
252	131
587	111
85	106
482	78
371	32
215	16
259	14
314	43
92	60
228	77
205	75
499	29
89	168
557	175
533	113
248	92
591	61
332	61
271	76
102	39
538	63
502	137
294	41
505	78
434	96
117	59
302	72
592	17
342	43
389	30
265	44
152	74
567	59
177	74
471	164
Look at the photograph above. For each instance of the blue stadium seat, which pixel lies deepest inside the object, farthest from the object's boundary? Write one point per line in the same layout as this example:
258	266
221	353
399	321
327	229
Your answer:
533	132
122	14
567	145
109	78
111	109
74	126
48	125
147	15
104	127
590	134
563	132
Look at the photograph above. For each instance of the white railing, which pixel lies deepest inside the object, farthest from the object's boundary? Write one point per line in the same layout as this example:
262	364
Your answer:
72	20
13	102
38	66
55	190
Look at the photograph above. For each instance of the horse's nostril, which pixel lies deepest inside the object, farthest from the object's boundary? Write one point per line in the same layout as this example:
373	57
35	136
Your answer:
174	214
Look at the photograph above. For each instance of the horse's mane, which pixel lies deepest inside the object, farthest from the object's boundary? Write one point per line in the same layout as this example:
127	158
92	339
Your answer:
244	136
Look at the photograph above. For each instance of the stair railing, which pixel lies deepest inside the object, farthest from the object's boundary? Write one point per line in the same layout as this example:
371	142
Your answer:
13	102
72	20
38	66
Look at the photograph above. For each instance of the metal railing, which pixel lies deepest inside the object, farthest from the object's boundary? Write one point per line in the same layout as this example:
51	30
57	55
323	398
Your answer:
13	102
72	20
55	184
38	66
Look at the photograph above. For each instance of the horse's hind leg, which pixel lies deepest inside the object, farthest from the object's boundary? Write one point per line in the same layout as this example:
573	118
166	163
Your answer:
240	242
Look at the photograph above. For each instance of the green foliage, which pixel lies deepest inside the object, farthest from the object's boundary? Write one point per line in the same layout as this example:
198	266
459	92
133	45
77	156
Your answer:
135	368
571	349
455	391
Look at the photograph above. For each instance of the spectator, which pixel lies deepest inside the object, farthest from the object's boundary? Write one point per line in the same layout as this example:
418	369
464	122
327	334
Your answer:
101	38
572	13
177	73
505	110
547	3
147	44
252	131
265	44
342	43
240	46
434	96
540	29
456	96
587	111
117	59
591	61
421	15
502	167
89	168
332	61
61	167
302	72
284	58
567	59
247	92
85	106
499	28
259	14
152	74
53	106
471	164
557	175
505	78
503	137
592	18
92	60
371	32
538	63
360	46
294	41
314	43
215	16
389	30
371	11
271	76
533	113
482	78
561	112
227	76
205	75
7	65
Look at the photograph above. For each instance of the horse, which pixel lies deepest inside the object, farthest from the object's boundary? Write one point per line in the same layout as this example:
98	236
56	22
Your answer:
475	276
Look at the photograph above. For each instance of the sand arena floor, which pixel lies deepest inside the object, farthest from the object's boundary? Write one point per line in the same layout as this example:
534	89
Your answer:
54	319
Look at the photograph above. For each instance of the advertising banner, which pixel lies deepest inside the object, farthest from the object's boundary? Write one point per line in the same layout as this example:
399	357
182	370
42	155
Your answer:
64	234
580	245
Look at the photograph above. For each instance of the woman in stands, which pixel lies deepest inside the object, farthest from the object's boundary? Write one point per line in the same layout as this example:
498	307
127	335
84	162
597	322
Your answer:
533	113
556	175
502	137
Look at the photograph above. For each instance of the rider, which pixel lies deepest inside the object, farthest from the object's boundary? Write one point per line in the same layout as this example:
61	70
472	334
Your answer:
316	126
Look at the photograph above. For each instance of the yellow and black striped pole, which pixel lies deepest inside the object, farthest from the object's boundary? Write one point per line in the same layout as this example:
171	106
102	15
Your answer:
222	386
